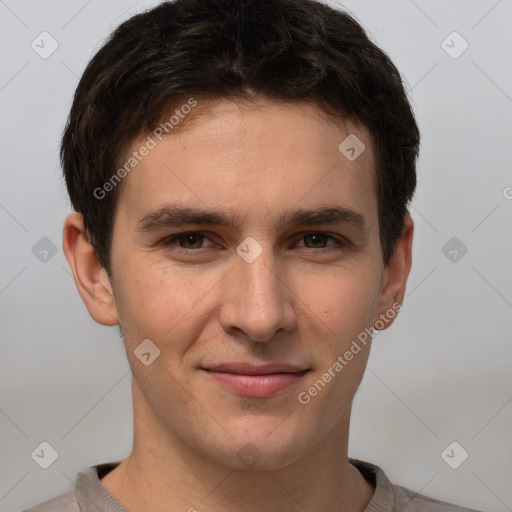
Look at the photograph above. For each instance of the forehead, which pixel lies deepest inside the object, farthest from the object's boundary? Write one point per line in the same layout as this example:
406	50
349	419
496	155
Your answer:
254	158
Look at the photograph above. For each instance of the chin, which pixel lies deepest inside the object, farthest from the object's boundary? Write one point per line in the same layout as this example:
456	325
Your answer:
265	445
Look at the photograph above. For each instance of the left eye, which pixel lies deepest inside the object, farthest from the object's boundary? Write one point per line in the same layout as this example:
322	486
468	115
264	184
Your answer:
319	239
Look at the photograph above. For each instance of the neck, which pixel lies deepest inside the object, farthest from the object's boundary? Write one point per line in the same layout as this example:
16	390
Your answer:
162	470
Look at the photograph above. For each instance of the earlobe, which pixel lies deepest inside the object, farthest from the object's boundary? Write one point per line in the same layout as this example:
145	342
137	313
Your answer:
90	277
395	277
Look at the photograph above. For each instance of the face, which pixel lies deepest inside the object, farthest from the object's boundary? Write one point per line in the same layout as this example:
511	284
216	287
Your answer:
246	249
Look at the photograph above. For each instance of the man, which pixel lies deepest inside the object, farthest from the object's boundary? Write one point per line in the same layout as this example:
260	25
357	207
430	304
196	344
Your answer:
241	174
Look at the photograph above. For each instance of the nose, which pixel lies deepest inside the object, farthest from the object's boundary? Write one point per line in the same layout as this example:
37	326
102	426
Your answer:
256	300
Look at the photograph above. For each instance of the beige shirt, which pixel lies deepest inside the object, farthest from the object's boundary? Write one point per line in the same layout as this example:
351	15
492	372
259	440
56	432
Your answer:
90	496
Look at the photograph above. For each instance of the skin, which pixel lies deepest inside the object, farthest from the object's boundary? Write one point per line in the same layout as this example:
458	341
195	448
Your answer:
301	301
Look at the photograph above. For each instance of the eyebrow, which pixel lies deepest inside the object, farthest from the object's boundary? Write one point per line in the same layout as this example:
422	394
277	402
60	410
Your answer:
175	215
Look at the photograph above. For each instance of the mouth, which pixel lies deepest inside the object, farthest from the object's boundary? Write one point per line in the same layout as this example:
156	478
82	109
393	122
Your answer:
255	380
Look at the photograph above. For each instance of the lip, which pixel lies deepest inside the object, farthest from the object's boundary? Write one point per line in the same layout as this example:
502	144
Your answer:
256	380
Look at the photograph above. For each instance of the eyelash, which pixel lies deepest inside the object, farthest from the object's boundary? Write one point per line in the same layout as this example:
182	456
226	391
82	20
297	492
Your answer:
169	242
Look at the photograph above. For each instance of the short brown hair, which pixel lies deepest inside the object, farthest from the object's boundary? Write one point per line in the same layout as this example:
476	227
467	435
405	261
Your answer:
286	50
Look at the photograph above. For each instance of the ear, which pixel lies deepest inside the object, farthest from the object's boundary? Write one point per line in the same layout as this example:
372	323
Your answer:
91	279
395	277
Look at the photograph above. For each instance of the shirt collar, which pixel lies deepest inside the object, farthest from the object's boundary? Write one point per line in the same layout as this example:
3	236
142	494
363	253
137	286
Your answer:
93	497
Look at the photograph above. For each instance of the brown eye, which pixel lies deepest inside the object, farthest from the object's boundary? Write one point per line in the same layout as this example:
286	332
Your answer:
193	239
187	241
317	240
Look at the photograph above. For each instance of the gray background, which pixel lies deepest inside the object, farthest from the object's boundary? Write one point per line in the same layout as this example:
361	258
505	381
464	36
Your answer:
442	373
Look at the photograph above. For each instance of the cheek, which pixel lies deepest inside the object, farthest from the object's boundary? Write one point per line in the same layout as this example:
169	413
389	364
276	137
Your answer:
343	302
163	303
344	307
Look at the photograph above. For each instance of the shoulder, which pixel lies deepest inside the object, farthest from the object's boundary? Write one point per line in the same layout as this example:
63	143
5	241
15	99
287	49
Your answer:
64	503
410	501
390	497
